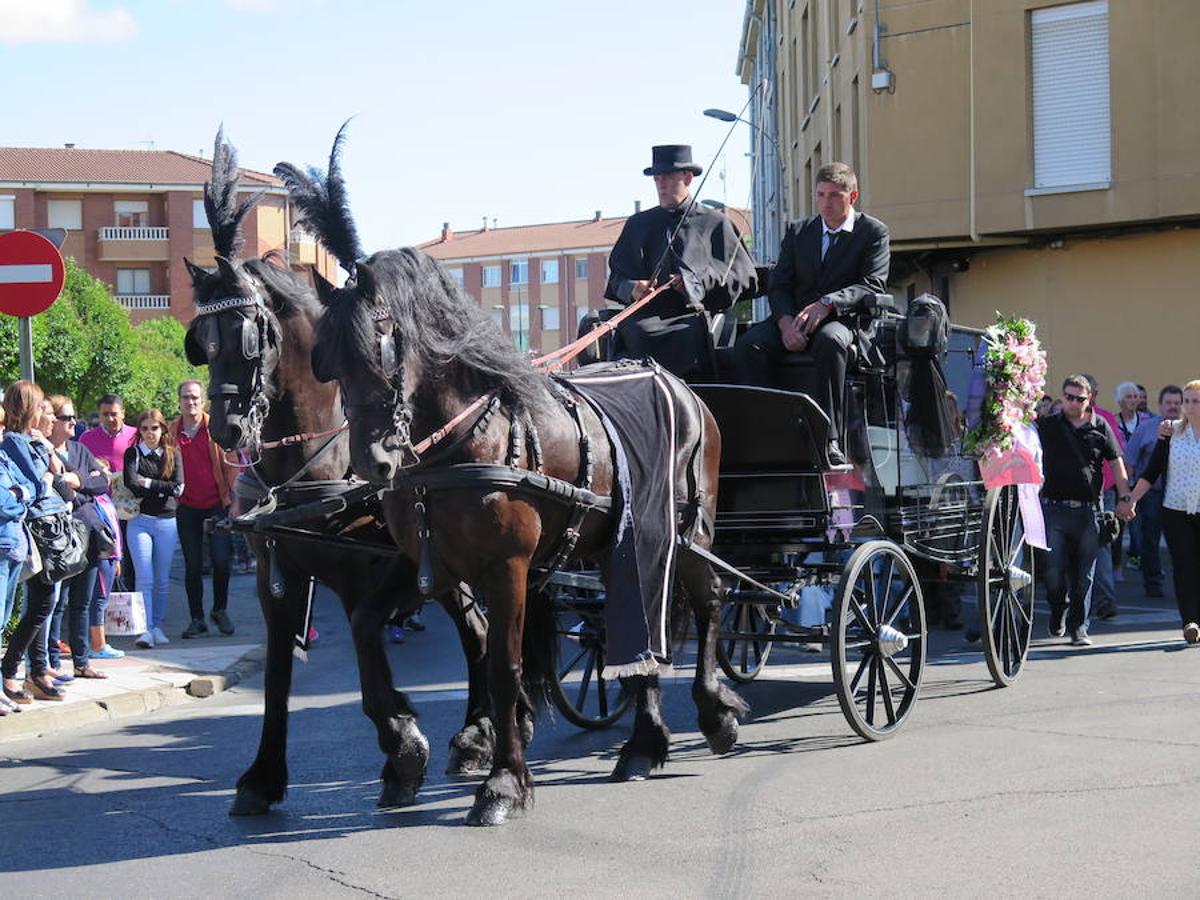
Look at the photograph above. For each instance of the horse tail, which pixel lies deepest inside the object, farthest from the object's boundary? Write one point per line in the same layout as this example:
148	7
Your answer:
537	650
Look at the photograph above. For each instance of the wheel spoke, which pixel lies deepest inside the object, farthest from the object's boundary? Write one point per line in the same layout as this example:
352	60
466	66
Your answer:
900	604
899	673
871	694
874	595
602	691
862	668
888	706
569	666
857	612
581	697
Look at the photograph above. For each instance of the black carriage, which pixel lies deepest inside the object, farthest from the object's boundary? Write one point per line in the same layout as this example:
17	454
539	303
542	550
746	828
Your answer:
901	518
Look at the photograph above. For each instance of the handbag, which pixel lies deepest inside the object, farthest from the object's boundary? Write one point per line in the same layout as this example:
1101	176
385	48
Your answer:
102	543
62	540
33	558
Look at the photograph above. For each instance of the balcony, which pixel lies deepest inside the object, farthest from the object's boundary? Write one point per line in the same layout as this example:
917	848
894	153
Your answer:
145	301
303	247
119	243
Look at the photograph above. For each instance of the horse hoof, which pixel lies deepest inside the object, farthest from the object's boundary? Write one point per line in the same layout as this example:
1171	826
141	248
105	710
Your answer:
395	795
486	813
724	738
634	767
247	803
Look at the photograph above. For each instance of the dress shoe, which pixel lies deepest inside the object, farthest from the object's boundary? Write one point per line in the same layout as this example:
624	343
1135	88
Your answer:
835	454
221	619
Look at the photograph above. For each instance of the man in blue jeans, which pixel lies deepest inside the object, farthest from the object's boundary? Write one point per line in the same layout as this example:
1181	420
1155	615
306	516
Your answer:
206	495
1075	444
1149	510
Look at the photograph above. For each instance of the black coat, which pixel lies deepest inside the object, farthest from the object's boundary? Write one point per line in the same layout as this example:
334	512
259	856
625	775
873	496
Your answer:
856	267
700	254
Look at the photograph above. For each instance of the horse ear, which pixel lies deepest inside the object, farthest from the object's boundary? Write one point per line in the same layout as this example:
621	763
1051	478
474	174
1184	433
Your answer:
199	276
228	272
365	279
325	290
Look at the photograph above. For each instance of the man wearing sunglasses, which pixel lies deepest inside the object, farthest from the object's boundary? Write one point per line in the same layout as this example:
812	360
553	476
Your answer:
1075	445
206	495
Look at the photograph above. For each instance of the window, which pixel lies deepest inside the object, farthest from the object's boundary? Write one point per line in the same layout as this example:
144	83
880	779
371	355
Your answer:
581	267
66	214
8	216
199	216
457	275
1072	143
518	272
133	281
550	318
498	316
549	271
491	276
131	213
518	324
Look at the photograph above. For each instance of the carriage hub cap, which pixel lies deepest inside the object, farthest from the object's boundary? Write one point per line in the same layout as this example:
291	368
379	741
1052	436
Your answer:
1018	579
891	641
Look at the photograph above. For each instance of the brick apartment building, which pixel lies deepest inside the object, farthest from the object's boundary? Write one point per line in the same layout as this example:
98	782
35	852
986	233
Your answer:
131	216
538	280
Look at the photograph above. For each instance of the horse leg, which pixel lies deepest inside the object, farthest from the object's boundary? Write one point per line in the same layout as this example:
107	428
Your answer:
647	748
471	749
718	707
509	786
406	748
265	782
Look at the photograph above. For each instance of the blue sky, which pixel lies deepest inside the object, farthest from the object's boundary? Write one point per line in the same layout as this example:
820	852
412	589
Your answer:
524	112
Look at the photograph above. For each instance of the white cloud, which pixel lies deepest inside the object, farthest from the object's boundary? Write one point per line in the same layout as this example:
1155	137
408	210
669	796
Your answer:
59	21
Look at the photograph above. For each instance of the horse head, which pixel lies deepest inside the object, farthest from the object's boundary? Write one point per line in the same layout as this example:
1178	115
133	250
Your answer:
234	331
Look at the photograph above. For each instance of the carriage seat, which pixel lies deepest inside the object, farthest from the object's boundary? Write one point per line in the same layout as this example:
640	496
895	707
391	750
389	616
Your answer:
797	437
796	371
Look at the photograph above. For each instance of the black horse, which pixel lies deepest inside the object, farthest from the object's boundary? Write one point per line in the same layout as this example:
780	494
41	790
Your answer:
411	353
255	329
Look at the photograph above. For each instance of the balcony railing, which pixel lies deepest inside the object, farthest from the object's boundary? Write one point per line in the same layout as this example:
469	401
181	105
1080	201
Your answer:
125	233
145	301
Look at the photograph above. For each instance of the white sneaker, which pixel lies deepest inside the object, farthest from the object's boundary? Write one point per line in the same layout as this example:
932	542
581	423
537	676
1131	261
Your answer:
145	642
159	637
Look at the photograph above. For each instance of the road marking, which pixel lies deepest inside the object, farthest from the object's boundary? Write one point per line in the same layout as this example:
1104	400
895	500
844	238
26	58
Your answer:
31	274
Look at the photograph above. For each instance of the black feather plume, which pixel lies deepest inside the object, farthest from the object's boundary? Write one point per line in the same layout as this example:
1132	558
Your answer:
323	205
221	205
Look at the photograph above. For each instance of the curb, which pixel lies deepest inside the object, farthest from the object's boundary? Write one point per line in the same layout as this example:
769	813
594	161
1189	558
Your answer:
185	688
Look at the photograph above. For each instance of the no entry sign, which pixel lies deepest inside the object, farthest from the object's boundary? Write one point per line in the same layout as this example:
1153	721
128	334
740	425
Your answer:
31	273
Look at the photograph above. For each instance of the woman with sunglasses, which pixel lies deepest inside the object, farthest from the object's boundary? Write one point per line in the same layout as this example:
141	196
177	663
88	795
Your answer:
93	482
153	473
1177	456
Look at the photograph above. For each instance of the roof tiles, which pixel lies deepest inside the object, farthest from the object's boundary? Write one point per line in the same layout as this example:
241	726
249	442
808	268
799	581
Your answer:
79	165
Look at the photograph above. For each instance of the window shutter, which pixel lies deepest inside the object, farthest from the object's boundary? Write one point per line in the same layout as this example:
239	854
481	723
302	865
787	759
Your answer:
1072	140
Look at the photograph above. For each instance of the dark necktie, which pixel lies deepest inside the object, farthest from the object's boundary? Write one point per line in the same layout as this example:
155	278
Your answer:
834	237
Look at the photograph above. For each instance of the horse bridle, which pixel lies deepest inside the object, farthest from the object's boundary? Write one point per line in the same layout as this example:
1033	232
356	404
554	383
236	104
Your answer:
391	365
255	335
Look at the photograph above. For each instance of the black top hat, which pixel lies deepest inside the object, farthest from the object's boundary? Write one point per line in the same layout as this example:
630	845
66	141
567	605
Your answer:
672	158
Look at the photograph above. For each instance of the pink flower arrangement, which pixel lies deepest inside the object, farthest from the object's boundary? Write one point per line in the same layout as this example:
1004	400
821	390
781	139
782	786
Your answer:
1015	370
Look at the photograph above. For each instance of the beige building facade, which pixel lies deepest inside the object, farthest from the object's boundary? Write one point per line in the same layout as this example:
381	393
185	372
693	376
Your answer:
1029	156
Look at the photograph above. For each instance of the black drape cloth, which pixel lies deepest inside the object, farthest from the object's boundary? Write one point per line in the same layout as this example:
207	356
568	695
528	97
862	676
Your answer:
637	408
707	254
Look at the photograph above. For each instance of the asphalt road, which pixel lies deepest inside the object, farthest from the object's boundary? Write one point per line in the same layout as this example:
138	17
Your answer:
1079	780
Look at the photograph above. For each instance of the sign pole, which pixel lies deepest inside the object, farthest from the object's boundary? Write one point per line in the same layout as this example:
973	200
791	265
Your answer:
25	342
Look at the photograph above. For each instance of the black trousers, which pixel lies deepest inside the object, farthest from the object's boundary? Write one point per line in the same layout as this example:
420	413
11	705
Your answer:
39	603
1183	541
190	523
759	349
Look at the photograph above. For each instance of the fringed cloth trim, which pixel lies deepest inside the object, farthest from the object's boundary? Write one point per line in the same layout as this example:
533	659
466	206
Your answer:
650	666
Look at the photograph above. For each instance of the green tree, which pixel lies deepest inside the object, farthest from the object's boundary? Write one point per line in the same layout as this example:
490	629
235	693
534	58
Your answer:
160	367
82	345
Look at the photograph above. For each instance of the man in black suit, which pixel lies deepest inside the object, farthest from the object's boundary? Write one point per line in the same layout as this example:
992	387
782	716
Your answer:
828	265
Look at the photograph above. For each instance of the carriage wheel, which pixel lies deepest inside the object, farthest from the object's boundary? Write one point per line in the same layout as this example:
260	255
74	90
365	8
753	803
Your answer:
1006	587
878	640
582	694
742	658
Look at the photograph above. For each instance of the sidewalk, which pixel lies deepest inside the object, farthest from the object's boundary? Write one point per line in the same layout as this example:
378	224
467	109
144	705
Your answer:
163	676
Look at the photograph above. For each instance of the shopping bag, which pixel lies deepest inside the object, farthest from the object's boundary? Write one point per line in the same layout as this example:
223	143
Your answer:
126	613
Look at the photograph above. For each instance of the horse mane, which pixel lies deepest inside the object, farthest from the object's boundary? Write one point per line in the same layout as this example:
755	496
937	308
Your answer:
292	293
221	205
323	204
455	342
